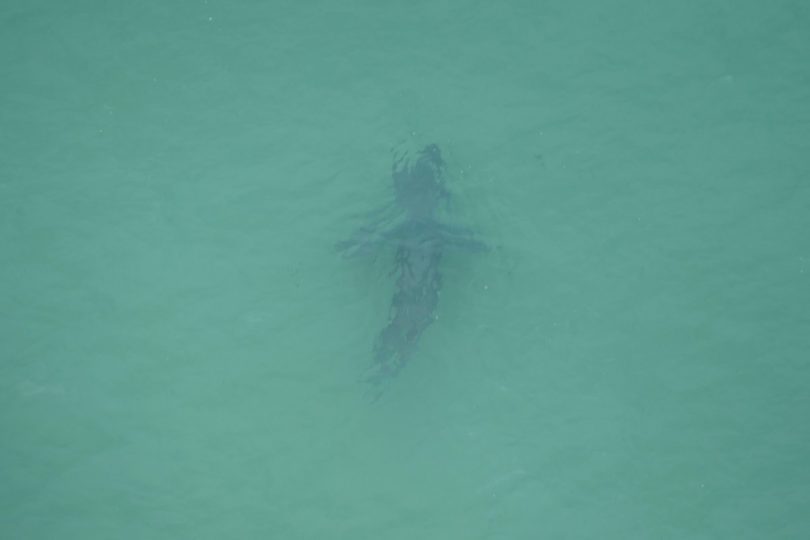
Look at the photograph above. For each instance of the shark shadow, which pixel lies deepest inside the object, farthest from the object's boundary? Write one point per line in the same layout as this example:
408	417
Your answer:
410	226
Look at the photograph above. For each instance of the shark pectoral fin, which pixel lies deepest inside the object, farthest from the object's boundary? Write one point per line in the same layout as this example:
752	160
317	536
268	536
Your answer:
352	249
470	244
365	241
463	238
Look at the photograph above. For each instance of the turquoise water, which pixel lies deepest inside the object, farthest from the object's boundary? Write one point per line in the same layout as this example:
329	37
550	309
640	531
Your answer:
182	350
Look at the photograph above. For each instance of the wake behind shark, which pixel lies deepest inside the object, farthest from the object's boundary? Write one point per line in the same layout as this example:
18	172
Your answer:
419	240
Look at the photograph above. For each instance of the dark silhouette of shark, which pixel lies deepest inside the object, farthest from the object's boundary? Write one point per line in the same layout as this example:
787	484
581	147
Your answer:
410	225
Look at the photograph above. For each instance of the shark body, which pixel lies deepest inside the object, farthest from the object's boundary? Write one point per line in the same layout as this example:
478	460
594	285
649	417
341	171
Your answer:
419	240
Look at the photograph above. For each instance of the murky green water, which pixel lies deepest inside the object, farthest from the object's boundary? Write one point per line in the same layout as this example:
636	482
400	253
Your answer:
181	350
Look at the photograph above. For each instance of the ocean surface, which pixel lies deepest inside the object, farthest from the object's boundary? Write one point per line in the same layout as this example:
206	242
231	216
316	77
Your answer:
182	351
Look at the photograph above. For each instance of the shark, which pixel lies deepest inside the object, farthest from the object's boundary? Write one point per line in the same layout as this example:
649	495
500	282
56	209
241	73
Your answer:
411	228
